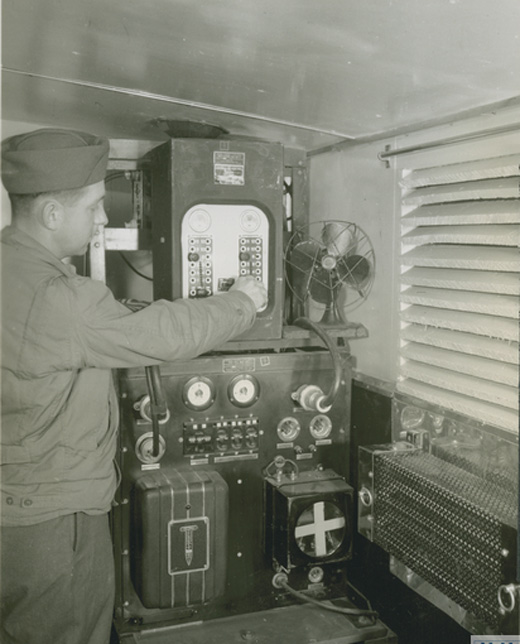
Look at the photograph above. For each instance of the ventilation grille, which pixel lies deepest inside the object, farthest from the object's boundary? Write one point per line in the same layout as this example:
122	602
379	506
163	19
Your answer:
460	287
447	525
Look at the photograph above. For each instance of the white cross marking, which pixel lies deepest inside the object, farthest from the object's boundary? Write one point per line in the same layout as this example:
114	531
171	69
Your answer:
319	528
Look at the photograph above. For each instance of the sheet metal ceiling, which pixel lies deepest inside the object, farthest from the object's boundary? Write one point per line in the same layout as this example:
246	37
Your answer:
307	73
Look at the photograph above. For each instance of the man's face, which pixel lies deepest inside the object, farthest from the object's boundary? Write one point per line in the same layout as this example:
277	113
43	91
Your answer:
81	218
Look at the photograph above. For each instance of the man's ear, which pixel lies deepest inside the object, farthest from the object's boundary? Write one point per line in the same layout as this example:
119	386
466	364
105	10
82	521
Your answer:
51	214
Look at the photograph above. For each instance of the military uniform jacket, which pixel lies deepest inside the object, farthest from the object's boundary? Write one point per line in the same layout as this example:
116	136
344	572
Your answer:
61	336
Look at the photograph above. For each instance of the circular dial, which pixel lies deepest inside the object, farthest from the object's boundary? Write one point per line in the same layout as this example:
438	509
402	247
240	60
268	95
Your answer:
288	429
320	426
411	417
243	390
199	220
250	221
198	393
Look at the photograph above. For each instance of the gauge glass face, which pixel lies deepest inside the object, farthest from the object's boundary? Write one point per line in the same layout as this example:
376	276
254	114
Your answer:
198	393
244	391
411	417
320	529
199	220
288	429
437	420
250	221
320	426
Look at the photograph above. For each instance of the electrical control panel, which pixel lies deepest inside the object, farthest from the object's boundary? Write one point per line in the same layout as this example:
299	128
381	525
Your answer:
218	214
220	242
234	437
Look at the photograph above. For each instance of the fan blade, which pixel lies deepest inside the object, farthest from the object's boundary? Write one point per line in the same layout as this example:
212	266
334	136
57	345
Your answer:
306	254
304	259
354	271
322	285
338	238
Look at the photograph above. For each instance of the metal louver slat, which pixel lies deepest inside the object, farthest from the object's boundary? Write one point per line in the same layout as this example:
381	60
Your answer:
461	285
469	190
488	325
459	341
466	280
470	171
506	235
496	211
461	383
490	304
492	370
486	258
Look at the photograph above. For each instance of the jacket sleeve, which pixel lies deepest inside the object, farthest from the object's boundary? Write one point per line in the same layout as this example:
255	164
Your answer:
106	334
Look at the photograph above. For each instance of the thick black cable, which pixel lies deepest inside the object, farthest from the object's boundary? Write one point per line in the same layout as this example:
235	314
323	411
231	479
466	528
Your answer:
158	406
305	323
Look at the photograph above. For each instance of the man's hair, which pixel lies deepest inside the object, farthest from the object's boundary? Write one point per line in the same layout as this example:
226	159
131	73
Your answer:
23	203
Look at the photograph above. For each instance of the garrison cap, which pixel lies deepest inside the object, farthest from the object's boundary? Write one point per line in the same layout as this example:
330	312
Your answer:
50	160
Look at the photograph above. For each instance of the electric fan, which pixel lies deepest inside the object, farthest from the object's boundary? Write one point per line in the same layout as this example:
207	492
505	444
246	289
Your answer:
330	263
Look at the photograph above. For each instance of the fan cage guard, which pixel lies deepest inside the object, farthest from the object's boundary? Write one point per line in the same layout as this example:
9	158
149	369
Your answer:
330	268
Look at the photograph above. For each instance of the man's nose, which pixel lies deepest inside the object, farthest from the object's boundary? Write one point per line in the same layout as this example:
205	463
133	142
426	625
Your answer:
101	219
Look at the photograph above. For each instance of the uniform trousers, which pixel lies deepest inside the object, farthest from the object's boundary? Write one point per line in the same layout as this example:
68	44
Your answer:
57	581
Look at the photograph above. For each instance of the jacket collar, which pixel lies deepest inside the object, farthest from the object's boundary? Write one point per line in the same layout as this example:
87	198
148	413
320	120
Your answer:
18	239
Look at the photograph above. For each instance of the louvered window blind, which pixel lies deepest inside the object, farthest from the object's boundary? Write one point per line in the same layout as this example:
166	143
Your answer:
460	288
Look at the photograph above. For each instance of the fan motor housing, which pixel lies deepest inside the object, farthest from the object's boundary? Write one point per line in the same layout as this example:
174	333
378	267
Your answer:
308	520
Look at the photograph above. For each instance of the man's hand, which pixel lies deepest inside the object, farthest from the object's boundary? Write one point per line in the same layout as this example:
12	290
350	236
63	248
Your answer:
250	286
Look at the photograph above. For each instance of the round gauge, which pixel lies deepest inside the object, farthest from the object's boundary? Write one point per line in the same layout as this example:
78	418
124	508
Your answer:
288	429
320	426
437	421
250	221
199	220
243	390
411	417
320	529
198	393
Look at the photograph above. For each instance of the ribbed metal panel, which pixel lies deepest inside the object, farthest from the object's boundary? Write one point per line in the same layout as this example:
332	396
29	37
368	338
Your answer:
446	524
461	288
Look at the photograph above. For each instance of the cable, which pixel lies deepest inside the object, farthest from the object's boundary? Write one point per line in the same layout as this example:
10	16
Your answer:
305	323
158	405
356	612
134	269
